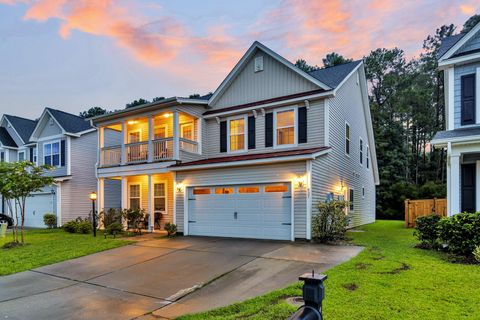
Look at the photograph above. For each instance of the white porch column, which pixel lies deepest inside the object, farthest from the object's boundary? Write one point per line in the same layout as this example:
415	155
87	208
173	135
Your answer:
454	196
101	144
150	138
124	141
150	203
101	194
176	136
124	193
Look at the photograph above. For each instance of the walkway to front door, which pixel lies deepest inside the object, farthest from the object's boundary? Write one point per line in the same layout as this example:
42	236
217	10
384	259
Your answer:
168	277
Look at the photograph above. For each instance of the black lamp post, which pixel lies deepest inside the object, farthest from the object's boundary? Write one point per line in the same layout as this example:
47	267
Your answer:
93	197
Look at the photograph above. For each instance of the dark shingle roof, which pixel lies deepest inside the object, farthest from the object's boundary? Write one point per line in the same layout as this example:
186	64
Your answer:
6	139
24	127
333	76
447	43
70	122
457	133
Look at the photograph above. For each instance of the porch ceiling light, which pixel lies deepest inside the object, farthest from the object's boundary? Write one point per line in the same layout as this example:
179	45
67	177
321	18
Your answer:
132	122
167	115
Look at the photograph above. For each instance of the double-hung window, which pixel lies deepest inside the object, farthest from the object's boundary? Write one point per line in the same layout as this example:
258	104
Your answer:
35	155
51	154
285	127
159	197
186	131
134	196
347	139
236	134
361	151
21	156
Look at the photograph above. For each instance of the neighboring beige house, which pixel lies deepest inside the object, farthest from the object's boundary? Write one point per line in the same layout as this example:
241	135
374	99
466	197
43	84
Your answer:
251	160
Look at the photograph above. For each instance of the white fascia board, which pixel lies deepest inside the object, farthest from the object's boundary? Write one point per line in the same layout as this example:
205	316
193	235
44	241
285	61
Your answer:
459	140
460	43
193	101
15	130
257	45
251	162
269	105
450	62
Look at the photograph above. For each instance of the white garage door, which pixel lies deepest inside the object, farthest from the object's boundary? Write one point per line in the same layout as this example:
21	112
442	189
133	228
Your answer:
261	211
36	206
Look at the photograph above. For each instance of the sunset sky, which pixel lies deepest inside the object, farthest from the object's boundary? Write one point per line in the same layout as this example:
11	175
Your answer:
72	55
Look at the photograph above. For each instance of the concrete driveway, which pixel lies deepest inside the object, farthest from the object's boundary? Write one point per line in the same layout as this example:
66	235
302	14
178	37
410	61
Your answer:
162	278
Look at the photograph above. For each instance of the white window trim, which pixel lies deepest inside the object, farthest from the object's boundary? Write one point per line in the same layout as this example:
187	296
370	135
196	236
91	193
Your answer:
163	125
361	151
164	182
350	200
295	127
129	195
134	131
24	155
367	157
35	155
349	138
245	133
51	155
186	125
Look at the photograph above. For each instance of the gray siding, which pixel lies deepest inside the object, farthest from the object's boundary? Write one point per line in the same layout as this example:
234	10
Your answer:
459	72
329	170
75	200
112	138
58	171
113	194
249	174
315	132
472	44
275	80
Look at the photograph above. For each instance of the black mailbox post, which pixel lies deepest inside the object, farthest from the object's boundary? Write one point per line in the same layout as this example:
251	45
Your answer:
313	295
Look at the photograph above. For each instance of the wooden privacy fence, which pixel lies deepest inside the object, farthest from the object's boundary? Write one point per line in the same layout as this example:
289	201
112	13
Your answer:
424	207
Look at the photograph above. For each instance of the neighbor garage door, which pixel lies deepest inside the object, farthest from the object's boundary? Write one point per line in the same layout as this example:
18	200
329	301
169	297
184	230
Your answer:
261	211
36	206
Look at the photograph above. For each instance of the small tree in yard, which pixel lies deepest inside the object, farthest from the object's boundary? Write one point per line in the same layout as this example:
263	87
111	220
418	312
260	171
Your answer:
18	180
331	222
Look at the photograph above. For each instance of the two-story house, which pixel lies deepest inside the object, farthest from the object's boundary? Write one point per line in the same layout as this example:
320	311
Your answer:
251	160
68	144
459	58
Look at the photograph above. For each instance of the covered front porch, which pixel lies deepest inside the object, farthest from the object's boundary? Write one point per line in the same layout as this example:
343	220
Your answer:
150	192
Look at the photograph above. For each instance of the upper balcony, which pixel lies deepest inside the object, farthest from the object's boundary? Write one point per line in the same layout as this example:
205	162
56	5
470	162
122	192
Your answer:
147	139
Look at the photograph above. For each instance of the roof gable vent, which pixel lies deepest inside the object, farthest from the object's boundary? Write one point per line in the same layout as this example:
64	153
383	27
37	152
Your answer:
258	64
50	121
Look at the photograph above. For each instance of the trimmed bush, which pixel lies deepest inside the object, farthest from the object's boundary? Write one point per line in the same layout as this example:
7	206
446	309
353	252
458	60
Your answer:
84	227
461	233
426	230
50	220
70	226
331	222
171	229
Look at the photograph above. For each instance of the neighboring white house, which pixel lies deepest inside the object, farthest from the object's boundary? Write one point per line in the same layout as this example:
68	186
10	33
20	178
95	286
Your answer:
251	160
64	141
459	58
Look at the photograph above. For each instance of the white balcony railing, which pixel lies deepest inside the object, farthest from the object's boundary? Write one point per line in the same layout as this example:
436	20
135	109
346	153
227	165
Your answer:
188	145
111	156
162	149
137	152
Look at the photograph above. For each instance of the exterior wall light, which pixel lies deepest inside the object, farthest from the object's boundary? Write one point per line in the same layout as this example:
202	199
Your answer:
180	187
340	188
300	182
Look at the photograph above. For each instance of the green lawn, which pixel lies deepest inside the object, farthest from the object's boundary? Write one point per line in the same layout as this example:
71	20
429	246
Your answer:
50	246
390	279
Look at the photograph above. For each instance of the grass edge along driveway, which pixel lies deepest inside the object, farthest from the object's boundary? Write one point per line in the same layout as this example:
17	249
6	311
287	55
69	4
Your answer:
44	247
390	279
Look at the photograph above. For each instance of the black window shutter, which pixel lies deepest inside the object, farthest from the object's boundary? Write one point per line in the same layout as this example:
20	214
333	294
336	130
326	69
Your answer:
251	132
62	153
269	130
31	154
302	125
468	99
223	136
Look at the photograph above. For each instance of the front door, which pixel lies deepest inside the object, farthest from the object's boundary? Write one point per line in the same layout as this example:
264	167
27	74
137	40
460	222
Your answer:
468	187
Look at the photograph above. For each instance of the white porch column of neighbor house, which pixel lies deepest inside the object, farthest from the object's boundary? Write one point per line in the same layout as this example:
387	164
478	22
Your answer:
101	144
124	141
100	198
150	138
454	184
124	196
176	136
151	217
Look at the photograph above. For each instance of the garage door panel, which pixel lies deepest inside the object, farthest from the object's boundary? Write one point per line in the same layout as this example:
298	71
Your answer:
35	208
264	215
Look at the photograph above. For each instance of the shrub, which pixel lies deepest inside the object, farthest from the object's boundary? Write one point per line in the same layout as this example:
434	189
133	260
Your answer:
134	218
476	253
71	226
426	230
110	216
461	233
171	229
50	220
114	228
331	222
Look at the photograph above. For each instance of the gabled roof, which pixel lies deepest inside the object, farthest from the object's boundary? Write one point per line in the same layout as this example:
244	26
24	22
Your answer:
452	44
6	139
333	76
244	60
24	127
447	43
70	122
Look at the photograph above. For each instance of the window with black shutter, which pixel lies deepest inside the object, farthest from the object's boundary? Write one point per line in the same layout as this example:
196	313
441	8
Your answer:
223	136
302	125
251	132
468	99
269	130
